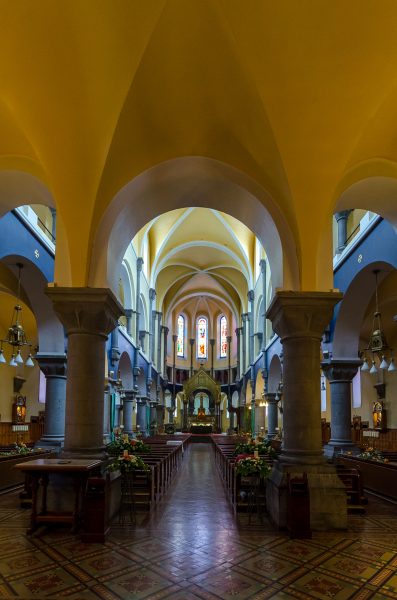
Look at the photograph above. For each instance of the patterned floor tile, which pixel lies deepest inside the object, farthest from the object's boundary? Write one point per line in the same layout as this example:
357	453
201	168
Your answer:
138	584
228	584
42	584
323	587
180	553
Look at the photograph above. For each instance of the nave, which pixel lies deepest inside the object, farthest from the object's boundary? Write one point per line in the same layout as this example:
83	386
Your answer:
193	547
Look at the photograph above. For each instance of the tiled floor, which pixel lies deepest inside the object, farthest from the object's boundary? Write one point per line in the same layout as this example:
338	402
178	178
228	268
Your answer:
192	547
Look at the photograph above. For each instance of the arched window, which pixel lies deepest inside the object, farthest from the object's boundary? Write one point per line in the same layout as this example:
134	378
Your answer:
180	342
223	336
202	337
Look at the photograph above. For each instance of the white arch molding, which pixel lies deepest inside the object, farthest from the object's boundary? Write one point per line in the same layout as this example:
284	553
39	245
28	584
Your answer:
186	182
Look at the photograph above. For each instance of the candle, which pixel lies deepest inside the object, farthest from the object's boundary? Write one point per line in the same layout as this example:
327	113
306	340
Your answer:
256	454
125	453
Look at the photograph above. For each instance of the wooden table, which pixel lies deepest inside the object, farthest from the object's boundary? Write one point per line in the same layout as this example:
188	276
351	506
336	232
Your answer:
40	471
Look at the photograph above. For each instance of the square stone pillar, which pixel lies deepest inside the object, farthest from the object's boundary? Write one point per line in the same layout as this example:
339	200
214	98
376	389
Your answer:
299	318
88	316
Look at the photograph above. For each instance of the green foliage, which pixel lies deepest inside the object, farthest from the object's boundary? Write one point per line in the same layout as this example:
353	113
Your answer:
122	442
253	466
372	454
263	448
127	463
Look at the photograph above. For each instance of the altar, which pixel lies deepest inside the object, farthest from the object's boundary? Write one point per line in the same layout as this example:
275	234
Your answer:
201	424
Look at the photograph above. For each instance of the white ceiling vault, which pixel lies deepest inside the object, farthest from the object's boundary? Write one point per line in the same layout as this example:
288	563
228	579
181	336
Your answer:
199	260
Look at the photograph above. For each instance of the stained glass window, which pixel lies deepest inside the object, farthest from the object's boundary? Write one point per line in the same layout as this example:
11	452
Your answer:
202	337
181	336
223	336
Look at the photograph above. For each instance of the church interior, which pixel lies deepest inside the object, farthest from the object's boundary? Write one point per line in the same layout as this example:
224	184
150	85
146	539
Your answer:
198	256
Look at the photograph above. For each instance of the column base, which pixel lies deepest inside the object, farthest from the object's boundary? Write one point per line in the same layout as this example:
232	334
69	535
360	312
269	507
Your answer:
328	501
48	441
333	448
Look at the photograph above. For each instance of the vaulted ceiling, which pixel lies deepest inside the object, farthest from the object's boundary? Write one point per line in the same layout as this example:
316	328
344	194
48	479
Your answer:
199	259
298	96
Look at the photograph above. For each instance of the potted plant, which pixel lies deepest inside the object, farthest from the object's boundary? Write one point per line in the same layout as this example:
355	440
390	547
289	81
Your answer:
126	463
249	466
123	442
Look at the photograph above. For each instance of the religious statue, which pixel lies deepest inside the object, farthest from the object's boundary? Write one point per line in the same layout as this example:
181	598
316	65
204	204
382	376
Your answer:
201	409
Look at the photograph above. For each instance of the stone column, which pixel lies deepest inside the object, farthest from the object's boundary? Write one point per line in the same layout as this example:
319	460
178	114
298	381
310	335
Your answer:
272	413
299	318
212	344
153	413
191	342
244	337
152	312
250	316
340	374
341	219
262	264
165	331
141	414
170	410
238	335
159	326
229	382
174	340
88	315
128	313
128	410
139	265
185	412
54	368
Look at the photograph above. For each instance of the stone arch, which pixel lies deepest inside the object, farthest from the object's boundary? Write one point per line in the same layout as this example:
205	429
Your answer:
126	372
353	307
235	399
275	374
51	336
193	181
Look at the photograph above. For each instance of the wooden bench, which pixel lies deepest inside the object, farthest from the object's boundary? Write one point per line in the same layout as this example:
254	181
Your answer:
352	479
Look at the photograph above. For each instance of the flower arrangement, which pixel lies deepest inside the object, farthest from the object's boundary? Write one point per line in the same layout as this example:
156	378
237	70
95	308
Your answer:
126	463
372	454
19	448
249	465
122	442
263	447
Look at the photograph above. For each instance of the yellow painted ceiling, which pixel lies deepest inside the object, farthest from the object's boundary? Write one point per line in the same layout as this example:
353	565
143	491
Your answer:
295	94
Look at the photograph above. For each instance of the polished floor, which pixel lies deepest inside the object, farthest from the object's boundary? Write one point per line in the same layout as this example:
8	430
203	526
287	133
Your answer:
193	547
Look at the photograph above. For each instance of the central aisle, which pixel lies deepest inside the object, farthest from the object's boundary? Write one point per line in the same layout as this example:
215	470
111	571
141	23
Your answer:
195	509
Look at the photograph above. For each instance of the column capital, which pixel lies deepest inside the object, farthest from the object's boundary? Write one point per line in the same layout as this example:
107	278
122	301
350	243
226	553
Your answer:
165	329
238	331
270	397
139	263
342	214
251	295
302	314
52	364
152	294
262	264
174	338
212	342
191	341
245	316
340	369
229	339
86	310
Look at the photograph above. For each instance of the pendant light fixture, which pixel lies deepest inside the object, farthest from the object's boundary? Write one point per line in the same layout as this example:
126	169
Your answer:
16	337
377	355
